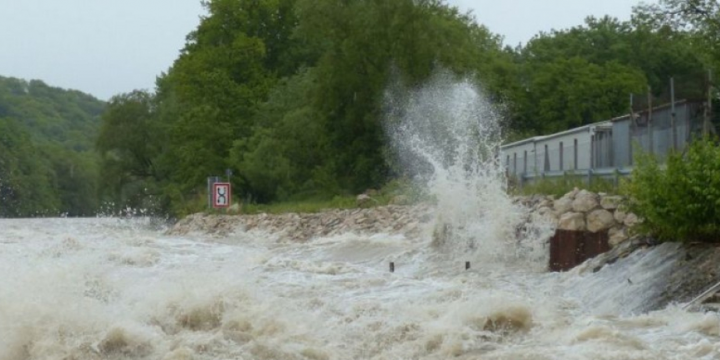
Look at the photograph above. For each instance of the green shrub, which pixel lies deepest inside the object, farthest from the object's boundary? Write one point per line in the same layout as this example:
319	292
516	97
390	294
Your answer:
680	200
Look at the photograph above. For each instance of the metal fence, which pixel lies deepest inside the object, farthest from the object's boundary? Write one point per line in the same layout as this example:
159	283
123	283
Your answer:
605	150
587	176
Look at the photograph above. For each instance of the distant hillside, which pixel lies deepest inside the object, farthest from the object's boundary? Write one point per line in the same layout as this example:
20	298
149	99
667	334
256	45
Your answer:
67	117
48	165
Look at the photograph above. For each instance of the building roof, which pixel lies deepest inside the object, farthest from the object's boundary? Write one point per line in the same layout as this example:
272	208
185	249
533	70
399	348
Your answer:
589	127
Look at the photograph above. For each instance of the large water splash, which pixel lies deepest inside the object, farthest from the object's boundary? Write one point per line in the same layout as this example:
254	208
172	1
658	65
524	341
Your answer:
446	136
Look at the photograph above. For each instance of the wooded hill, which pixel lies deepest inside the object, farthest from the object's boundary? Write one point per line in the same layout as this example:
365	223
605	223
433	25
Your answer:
48	162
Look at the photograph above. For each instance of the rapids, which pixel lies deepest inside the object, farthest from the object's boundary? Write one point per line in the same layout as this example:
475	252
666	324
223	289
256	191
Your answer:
109	288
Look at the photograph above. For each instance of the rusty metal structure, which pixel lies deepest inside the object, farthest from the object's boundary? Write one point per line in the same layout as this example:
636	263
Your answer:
570	248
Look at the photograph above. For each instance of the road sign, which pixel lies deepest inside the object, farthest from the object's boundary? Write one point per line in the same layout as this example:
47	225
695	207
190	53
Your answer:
221	195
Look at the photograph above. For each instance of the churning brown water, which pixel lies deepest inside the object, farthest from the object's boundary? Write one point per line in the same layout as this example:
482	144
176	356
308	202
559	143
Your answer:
117	289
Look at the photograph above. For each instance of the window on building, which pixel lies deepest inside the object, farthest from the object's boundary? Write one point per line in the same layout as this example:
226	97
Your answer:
561	156
546	166
525	162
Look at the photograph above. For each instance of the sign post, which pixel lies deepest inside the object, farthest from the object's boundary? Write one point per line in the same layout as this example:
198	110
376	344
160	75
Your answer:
221	195
210	181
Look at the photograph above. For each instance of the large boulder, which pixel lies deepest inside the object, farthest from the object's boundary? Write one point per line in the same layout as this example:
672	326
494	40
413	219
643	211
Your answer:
600	219
585	201
562	205
572	193
620	214
610	202
617	235
572	221
631	219
543	203
545	214
364	200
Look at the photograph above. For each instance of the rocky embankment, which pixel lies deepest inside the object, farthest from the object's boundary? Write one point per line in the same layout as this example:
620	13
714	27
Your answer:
392	219
578	210
582	210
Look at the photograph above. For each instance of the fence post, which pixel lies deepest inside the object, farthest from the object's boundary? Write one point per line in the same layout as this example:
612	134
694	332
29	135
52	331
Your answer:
617	178
673	133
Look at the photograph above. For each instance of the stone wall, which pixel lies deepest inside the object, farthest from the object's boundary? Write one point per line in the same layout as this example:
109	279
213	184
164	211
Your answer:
582	210
392	219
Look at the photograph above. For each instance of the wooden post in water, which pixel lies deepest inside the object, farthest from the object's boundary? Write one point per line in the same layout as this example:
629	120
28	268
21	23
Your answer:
392	266
467	265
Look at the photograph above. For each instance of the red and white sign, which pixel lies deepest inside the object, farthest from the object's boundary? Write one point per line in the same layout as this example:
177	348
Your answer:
221	195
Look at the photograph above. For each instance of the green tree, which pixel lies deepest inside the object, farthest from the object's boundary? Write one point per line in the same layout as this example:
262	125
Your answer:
209	97
573	92
129	143
24	180
288	146
607	60
366	46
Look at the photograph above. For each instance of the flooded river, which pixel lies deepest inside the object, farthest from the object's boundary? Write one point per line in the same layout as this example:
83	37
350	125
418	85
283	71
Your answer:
120	289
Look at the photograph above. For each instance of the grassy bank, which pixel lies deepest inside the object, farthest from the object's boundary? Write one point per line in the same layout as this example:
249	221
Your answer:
394	192
301	206
562	185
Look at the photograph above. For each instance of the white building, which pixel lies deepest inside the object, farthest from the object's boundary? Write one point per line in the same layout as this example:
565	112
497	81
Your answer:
581	148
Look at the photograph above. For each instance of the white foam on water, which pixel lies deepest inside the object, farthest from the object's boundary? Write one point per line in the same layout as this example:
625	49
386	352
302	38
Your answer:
446	135
67	294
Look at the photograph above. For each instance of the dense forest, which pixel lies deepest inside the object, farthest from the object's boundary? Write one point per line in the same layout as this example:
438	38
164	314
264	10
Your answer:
48	162
289	95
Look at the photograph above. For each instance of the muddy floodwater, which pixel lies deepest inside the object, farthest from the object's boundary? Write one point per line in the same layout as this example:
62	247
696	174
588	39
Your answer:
121	289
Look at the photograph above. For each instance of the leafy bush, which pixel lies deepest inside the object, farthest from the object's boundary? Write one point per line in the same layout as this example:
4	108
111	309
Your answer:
680	200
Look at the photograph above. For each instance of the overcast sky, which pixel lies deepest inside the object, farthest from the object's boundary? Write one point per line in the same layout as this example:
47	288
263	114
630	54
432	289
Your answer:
106	47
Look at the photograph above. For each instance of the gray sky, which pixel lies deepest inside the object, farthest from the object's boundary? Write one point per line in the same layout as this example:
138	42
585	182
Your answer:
519	20
106	47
